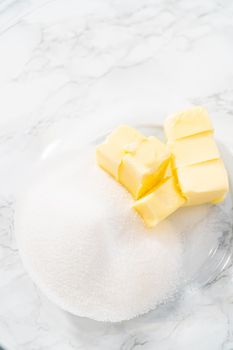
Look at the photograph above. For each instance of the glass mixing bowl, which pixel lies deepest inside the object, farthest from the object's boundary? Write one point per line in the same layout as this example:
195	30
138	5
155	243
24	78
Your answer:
206	230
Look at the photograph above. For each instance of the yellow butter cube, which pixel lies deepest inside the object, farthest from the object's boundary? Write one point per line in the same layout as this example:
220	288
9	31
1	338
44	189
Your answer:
160	202
109	154
194	149
188	122
143	167
204	182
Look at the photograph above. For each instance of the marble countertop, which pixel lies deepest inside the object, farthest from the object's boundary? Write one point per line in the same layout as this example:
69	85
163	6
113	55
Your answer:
90	65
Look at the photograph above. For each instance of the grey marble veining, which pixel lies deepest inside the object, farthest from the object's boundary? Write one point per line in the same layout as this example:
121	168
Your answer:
90	65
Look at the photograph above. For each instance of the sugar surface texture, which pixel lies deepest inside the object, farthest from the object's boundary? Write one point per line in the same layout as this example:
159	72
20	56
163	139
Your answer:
87	249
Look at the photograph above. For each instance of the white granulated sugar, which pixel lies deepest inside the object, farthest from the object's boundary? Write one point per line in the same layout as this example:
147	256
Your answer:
87	249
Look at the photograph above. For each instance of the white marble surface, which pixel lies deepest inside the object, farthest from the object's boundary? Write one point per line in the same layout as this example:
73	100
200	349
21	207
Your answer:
89	65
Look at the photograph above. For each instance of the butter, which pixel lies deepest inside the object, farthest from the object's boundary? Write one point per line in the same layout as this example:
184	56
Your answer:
194	149
204	182
109	154
134	160
159	203
200	172
162	178
143	166
186	123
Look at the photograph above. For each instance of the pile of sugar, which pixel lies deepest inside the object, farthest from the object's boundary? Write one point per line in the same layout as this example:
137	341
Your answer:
86	248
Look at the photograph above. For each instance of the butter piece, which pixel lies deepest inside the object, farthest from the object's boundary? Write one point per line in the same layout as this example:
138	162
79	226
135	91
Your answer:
204	182
109	154
194	149
144	166
186	123
159	203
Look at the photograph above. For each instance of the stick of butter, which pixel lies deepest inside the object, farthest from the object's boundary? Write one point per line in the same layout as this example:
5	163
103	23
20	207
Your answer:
196	159
143	167
162	201
186	123
204	182
109	154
